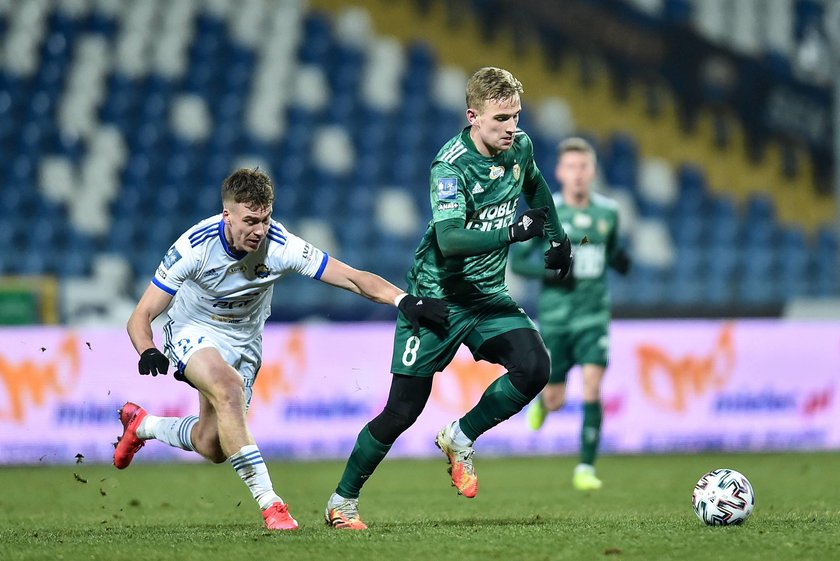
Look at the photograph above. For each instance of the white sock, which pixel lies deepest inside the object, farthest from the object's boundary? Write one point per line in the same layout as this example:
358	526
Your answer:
175	431
458	436
335	500
250	467
585	468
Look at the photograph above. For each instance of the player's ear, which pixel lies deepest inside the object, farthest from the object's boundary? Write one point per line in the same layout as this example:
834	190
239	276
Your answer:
472	116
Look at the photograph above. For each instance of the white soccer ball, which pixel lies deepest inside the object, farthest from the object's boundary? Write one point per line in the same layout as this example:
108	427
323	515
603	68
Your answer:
723	497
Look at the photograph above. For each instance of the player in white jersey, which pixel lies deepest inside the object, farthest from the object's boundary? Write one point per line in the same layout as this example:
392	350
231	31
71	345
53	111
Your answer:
218	277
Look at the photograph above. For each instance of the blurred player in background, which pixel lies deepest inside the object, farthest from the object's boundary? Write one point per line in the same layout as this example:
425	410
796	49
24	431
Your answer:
476	180
574	313
220	274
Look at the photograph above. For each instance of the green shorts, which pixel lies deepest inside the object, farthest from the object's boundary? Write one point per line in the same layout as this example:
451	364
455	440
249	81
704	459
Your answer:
568	348
472	324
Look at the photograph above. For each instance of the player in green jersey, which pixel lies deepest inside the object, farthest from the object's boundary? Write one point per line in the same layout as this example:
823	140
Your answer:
574	313
475	182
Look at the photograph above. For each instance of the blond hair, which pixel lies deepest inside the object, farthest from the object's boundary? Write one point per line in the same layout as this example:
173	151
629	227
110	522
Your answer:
491	83
576	144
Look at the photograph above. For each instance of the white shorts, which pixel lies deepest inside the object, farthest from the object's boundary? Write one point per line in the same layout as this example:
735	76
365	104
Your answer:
181	341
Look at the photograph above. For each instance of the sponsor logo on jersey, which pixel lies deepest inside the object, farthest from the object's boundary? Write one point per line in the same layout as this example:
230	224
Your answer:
477	189
232	304
236	269
212	273
447	188
582	220
308	251
161	272
493	217
516	171
261	271
447	206
496	172
172	256
225	319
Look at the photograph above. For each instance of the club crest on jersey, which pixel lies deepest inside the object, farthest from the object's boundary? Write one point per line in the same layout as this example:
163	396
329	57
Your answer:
447	188
496	172
603	226
261	271
172	256
516	171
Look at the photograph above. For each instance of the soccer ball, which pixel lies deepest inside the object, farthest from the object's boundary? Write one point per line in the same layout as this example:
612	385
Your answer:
723	497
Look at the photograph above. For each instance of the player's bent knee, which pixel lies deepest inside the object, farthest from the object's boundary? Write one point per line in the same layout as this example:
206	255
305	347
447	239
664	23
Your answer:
390	424
228	394
553	402
531	373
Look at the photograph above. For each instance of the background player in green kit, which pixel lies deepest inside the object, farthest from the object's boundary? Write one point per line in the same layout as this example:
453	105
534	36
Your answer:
476	180
574	313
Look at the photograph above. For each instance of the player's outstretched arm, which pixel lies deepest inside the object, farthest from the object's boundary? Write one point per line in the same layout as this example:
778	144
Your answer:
373	287
153	302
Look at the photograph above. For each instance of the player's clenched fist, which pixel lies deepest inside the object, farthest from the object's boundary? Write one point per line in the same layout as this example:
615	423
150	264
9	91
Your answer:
531	224
426	311
153	362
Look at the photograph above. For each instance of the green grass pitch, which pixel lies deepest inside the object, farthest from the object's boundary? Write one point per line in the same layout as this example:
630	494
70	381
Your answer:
525	509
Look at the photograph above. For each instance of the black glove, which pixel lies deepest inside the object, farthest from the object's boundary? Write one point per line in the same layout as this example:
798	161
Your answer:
153	361
559	257
551	279
621	262
432	311
530	224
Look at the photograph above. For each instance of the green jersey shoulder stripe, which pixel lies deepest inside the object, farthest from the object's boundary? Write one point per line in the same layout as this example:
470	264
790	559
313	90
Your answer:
453	153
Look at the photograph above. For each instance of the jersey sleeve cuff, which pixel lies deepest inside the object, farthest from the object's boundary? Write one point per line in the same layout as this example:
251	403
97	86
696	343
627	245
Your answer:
163	287
322	267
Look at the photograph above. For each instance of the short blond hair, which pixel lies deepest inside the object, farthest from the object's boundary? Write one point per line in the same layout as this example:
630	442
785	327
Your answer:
576	144
491	83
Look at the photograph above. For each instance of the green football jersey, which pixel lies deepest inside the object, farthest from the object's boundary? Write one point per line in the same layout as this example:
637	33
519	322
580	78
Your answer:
483	192
589	303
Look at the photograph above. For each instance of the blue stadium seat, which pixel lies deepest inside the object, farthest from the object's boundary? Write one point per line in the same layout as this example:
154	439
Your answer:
168	182
317	40
621	161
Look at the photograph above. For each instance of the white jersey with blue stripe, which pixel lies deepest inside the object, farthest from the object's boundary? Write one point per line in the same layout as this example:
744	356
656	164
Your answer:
226	290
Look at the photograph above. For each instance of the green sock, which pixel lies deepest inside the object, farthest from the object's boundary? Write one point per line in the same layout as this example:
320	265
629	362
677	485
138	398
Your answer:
500	401
366	455
590	434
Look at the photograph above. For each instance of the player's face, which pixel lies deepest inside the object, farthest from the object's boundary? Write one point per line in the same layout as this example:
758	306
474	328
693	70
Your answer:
246	227
494	125
575	172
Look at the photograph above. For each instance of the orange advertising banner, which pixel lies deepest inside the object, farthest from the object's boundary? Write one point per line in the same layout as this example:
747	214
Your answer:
671	386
